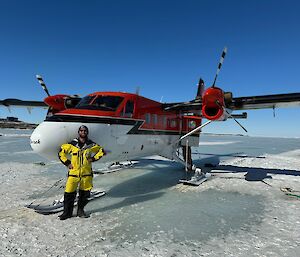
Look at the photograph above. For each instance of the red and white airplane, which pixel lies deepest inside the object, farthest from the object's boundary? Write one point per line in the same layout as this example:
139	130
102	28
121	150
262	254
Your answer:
130	126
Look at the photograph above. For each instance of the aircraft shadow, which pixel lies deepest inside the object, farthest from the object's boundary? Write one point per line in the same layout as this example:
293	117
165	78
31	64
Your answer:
252	174
256	174
129	201
166	174
237	154
145	187
146	183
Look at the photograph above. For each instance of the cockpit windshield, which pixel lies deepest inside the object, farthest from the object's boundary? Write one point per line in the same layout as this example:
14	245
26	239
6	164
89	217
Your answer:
102	102
85	101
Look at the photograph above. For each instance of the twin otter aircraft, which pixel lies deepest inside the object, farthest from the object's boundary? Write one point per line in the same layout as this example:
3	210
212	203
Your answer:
130	126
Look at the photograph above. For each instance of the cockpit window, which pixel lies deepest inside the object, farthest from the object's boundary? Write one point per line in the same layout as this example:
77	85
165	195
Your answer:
107	103
103	103
85	101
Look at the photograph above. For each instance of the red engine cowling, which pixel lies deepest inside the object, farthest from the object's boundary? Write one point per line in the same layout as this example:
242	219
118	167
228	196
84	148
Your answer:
56	102
59	103
213	104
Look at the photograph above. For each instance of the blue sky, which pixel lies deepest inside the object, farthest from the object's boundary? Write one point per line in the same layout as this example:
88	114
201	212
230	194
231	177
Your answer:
163	47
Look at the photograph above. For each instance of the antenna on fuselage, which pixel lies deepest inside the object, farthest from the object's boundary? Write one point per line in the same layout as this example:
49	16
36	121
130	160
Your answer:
137	90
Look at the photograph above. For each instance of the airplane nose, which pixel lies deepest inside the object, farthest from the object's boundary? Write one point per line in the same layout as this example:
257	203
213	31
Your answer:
47	138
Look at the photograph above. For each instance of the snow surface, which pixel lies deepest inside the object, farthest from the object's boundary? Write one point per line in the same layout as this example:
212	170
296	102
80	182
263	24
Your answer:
240	211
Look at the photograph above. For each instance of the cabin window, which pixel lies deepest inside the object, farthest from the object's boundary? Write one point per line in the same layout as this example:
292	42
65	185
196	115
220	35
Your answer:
154	119
192	124
173	124
148	118
164	121
128	111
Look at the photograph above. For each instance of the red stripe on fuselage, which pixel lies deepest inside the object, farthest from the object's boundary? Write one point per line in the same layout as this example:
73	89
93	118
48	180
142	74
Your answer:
150	111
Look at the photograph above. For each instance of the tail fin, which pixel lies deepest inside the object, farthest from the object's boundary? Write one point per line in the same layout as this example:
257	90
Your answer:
200	89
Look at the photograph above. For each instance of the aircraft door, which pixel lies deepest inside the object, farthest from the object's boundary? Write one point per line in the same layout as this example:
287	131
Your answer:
124	146
128	109
188	124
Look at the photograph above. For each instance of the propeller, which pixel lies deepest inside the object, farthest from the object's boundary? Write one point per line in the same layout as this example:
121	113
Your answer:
220	64
229	115
238	123
217	73
215	98
42	83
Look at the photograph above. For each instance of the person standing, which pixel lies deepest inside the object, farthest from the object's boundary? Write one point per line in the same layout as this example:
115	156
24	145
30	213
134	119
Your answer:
78	156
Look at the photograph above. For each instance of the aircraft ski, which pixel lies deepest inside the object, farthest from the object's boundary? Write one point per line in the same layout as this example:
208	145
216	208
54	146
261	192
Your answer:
197	179
117	166
58	205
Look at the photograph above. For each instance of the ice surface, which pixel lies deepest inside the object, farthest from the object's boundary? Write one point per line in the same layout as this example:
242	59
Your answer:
240	211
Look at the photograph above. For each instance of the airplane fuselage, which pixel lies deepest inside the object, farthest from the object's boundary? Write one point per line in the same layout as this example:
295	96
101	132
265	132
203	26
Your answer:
127	126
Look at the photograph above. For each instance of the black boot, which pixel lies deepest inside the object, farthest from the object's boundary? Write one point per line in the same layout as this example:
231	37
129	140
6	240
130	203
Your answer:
68	205
82	201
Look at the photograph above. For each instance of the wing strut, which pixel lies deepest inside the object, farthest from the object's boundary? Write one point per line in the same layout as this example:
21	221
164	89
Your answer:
193	131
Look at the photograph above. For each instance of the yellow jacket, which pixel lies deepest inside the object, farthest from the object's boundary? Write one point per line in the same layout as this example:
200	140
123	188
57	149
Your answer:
72	153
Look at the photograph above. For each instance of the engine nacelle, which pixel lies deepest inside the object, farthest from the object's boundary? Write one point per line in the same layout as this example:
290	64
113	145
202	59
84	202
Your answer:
56	102
59	103
213	104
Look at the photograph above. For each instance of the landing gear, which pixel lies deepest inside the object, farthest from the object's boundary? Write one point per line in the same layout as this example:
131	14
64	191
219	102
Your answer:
187	156
194	176
197	179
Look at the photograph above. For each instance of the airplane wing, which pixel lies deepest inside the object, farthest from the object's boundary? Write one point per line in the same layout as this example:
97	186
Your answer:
183	106
16	102
243	103
265	101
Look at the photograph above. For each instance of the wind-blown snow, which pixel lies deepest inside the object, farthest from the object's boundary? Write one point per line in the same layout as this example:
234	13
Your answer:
240	211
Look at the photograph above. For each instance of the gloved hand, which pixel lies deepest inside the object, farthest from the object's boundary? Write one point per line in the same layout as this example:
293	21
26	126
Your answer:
91	159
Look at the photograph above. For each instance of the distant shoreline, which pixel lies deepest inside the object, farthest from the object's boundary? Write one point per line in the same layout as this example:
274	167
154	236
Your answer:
25	125
223	134
17	125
